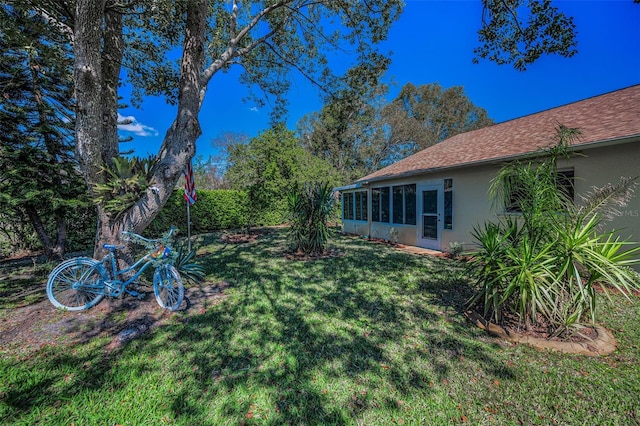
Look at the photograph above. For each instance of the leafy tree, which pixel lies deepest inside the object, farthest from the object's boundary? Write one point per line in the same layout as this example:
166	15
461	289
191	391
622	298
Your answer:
270	166
208	173
359	133
266	40
216	166
424	115
348	132
39	182
507	39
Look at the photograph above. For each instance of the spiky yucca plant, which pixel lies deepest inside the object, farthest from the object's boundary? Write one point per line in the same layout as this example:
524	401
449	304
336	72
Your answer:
310	207
189	270
547	260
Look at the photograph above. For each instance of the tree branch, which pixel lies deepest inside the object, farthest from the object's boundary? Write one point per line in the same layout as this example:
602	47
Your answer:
231	51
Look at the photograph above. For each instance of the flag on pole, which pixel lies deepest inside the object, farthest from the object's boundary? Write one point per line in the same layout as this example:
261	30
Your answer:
189	186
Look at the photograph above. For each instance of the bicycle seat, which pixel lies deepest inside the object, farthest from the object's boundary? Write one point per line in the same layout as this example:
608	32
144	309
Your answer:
112	247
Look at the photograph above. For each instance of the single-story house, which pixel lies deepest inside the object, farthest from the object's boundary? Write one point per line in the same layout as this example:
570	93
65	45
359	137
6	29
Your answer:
436	196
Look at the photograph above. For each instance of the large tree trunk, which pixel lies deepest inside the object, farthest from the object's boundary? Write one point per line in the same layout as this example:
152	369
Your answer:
109	230
113	51
178	146
96	77
87	75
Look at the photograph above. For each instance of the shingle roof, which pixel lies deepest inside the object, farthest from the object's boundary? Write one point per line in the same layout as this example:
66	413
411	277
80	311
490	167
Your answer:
608	117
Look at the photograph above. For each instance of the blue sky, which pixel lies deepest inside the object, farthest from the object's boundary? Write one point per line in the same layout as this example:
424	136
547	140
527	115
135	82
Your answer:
433	41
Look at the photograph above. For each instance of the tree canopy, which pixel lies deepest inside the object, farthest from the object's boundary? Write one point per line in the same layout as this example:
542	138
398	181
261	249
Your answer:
266	40
271	165
348	132
427	114
506	38
174	49
359	132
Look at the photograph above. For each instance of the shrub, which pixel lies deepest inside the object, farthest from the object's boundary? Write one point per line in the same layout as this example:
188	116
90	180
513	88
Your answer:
310	208
214	210
546	261
455	249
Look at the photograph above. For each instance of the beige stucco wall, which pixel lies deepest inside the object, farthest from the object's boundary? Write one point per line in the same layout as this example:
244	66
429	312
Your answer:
605	165
598	167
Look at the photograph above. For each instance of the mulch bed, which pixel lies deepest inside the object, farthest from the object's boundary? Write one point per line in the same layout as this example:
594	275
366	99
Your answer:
600	289
591	340
39	325
239	238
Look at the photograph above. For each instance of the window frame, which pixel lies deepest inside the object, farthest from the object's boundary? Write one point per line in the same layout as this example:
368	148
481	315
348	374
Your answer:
355	205
380	208
565	182
348	204
361	205
402	205
448	204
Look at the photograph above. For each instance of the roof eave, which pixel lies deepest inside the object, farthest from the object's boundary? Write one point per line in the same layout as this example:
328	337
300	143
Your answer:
578	147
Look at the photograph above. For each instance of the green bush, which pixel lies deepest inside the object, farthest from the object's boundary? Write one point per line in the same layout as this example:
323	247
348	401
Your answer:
310	207
545	262
213	211
81	229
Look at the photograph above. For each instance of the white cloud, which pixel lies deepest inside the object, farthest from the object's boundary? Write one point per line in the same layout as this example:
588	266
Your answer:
254	109
135	127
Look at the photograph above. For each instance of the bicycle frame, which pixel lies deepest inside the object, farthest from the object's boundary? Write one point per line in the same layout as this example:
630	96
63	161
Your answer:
82	282
116	286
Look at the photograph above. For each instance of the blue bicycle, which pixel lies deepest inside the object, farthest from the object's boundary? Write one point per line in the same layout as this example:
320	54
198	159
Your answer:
82	282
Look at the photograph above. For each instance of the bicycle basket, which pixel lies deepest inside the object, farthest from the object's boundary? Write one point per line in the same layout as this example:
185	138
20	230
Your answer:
163	252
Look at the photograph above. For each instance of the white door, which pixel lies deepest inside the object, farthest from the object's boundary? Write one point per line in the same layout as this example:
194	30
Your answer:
430	206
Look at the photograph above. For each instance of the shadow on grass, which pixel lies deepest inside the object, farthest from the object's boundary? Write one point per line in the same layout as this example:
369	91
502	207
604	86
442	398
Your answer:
318	342
22	285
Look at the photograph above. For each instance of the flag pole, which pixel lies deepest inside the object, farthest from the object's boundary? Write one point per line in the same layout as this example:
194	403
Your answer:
190	198
188	227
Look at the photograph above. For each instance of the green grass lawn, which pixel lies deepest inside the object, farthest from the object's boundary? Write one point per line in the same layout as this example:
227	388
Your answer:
373	337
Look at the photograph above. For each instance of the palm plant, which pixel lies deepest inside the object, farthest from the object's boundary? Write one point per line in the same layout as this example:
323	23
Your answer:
487	263
546	261
310	207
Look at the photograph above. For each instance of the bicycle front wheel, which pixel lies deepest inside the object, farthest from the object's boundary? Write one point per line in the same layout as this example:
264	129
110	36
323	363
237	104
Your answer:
76	284
168	288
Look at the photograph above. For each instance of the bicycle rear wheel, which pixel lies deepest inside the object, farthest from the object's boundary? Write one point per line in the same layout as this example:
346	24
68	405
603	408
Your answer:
76	284
168	288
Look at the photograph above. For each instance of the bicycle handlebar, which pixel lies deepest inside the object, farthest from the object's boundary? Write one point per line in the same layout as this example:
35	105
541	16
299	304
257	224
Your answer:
132	236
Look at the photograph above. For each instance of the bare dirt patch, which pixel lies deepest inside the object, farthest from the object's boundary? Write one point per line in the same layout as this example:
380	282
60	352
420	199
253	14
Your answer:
28	328
239	238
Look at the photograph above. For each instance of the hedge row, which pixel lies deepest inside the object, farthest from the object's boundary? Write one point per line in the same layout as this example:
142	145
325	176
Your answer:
213	211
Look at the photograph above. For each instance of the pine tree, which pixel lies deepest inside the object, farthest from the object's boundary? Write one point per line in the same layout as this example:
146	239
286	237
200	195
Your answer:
39	179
